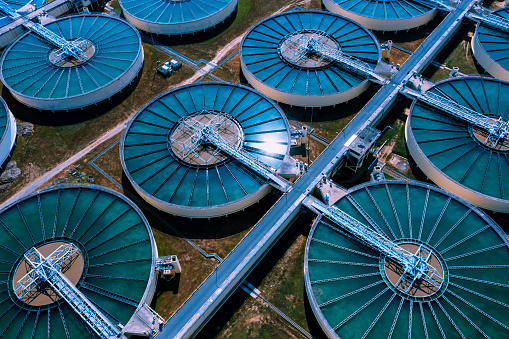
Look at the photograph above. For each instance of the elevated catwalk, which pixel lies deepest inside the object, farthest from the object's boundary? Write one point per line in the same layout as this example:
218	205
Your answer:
273	61
355	292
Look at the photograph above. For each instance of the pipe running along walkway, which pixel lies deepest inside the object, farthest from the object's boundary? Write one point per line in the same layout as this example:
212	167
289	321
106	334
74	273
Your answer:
194	313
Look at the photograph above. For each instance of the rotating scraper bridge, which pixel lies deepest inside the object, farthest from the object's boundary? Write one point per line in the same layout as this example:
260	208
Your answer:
219	285
203	303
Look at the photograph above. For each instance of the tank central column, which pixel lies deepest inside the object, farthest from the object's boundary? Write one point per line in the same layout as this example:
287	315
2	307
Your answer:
47	269
415	265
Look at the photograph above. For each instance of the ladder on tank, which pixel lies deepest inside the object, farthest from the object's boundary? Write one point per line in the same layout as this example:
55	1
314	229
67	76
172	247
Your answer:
497	128
209	132
47	269
65	48
313	45
415	265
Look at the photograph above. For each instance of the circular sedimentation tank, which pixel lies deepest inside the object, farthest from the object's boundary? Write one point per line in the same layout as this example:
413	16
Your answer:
355	292
7	131
491	47
113	267
114	56
385	15
205	182
453	153
176	17
273	61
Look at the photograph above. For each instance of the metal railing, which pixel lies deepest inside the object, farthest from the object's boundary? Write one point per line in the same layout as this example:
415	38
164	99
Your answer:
415	265
65	48
496	128
47	269
492	20
198	133
313	45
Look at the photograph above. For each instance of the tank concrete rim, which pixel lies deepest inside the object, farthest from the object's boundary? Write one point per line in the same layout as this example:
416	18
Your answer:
246	70
257	193
138	59
437	176
481	54
329	331
418	18
152	277
187	23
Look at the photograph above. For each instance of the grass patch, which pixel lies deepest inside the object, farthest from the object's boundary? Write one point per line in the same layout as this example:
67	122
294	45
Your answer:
52	143
116	6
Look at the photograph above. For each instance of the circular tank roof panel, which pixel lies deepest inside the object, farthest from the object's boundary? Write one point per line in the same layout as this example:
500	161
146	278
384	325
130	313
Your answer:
112	267
159	158
453	152
357	292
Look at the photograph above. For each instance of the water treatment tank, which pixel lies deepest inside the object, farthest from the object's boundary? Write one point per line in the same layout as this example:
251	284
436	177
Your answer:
355	292
453	153
385	15
272	60
114	56
113	267
7	131
176	17
491	47
204	182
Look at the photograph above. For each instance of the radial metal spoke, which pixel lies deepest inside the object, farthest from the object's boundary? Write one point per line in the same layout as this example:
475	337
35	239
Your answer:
479	295
466	214
476	252
345	278
396	318
350	294
361	308
344	248
436	320
450	319
373	323
466	238
475	308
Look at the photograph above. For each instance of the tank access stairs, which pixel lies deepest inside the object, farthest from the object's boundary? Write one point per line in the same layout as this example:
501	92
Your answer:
48	269
415	266
497	129
202	133
65	49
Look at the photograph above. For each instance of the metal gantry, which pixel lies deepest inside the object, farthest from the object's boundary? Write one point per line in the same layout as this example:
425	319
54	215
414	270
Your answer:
314	45
492	20
198	133
415	265
65	49
497	128
48	269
